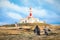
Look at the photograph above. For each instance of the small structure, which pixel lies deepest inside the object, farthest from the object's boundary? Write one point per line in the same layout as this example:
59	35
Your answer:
16	25
37	30
46	30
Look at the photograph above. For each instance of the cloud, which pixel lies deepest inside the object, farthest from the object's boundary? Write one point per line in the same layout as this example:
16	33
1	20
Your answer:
54	3
25	2
14	15
39	12
3	23
14	11
24	10
50	1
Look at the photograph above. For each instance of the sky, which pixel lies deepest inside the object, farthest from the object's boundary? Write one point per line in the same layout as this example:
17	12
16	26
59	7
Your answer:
11	11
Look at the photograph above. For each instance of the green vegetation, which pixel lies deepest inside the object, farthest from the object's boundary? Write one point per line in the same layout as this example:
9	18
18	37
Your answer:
25	24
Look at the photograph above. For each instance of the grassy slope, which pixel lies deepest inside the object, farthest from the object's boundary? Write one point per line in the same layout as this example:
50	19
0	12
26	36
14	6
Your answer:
29	35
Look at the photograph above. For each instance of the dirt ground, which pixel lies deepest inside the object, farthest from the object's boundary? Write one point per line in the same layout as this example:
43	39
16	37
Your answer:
27	35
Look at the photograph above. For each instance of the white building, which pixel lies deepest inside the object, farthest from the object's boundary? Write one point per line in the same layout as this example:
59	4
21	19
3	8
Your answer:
30	19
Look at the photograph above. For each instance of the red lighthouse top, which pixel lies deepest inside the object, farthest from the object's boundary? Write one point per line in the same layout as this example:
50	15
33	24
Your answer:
30	14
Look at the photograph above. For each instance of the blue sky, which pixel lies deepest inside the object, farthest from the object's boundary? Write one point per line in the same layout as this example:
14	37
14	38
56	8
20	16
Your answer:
12	11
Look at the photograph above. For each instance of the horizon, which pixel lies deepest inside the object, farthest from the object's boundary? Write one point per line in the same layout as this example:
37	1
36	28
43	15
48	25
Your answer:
12	11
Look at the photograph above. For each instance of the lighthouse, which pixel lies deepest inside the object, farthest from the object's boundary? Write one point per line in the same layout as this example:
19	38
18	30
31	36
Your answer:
30	18
30	12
